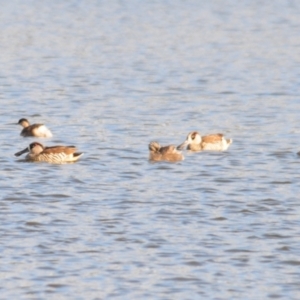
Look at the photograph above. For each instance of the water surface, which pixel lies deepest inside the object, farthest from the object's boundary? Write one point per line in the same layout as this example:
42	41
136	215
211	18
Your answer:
111	77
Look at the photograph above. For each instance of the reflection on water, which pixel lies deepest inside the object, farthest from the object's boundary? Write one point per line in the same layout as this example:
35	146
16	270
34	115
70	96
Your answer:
111	77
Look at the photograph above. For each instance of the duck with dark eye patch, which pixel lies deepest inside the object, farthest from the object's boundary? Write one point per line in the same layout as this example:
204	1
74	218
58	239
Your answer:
166	153
213	142
54	154
37	130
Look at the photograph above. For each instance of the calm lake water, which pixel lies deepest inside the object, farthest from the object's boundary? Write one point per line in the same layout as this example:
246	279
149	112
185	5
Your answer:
111	76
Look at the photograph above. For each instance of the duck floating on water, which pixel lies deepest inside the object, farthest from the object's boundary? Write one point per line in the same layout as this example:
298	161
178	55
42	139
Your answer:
37	130
213	142
54	154
166	153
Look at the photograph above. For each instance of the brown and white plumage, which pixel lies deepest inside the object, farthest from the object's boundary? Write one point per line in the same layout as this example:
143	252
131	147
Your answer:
214	142
54	154
37	130
166	153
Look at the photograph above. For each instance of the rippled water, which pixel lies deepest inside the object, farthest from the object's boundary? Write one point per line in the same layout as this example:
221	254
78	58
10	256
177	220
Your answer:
109	77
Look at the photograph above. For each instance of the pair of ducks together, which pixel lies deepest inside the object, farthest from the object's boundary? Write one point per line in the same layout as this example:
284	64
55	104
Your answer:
38	152
64	154
193	142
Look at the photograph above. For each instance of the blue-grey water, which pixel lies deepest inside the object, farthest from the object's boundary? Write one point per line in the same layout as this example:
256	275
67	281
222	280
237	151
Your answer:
111	76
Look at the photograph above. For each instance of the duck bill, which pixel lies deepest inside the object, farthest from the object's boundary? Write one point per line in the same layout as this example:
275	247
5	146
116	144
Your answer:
21	152
183	145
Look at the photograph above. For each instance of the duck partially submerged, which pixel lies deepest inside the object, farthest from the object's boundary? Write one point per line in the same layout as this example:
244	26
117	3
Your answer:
214	142
37	130
166	153
54	154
